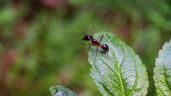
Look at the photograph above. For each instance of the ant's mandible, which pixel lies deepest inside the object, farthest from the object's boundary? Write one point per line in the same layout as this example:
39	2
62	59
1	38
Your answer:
96	43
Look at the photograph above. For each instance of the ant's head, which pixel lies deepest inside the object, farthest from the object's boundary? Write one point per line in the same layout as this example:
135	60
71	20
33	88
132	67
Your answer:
105	47
88	37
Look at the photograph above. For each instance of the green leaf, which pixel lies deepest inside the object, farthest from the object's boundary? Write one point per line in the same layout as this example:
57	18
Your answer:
119	72
162	71
7	15
61	91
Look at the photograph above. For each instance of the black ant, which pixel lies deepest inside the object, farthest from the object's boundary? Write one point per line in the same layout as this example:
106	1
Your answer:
96	43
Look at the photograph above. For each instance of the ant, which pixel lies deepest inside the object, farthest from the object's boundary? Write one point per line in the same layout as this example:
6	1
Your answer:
96	43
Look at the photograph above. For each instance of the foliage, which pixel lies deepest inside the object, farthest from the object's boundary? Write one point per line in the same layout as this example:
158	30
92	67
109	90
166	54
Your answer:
162	71
61	91
120	72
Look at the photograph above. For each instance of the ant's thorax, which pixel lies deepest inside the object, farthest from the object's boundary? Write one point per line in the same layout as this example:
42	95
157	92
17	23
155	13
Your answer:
95	42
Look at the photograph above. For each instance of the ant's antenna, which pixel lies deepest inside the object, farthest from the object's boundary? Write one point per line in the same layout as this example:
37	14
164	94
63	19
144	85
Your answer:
89	29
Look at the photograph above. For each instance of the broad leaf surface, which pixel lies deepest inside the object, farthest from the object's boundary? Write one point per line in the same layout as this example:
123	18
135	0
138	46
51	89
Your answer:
119	72
61	91
162	71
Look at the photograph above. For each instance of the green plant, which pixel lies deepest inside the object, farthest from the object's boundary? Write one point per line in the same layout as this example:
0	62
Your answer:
162	71
120	72
61	91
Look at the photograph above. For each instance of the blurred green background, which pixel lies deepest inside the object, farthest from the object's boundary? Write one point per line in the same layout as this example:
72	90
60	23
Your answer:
41	40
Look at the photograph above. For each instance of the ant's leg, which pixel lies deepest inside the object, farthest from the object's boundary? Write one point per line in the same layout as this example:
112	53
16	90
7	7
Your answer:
101	38
97	48
95	55
89	46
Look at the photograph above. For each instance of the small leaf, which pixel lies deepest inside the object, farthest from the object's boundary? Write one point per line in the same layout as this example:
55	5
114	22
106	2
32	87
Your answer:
162	71
61	91
118	72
